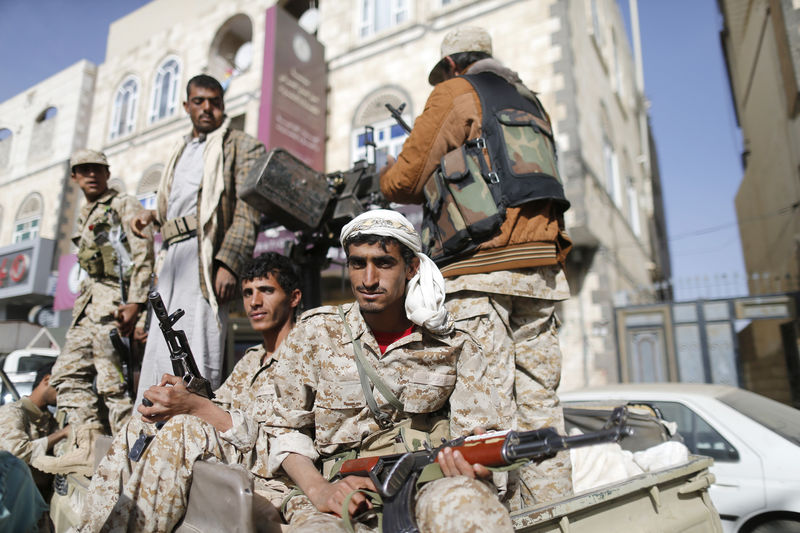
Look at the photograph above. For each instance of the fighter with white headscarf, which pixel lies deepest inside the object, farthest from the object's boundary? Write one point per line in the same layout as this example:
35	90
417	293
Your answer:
425	291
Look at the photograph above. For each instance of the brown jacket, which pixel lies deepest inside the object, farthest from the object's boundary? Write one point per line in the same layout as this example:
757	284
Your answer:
532	234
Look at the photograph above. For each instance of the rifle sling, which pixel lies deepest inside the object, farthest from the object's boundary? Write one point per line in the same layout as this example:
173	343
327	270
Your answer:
367	373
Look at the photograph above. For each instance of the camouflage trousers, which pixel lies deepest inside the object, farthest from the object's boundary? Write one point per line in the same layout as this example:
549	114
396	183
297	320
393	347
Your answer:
441	506
151	494
519	337
87	353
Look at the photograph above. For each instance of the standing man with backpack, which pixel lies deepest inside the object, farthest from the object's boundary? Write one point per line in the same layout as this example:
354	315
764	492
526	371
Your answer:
481	160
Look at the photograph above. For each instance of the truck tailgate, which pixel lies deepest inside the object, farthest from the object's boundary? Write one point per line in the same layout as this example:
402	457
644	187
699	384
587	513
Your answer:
671	500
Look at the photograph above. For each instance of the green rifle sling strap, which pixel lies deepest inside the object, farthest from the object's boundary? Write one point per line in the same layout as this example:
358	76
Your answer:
366	374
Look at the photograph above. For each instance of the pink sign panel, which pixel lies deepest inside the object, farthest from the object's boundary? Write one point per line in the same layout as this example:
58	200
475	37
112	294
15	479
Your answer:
69	282
292	114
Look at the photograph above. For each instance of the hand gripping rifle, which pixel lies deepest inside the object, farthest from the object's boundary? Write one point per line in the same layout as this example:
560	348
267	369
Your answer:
395	476
183	365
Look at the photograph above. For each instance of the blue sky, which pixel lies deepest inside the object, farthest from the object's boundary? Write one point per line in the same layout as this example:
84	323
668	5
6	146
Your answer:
693	120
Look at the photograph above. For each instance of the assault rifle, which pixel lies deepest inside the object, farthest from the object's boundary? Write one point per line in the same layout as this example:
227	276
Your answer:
180	354
183	365
395	476
116	238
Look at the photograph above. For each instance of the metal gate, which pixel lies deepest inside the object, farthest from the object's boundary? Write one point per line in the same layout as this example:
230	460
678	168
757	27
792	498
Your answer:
691	342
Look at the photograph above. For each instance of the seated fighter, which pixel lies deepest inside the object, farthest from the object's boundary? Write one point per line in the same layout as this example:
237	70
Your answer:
29	430
429	382
230	428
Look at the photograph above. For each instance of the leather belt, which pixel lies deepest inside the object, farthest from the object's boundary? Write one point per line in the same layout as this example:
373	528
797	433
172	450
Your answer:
179	229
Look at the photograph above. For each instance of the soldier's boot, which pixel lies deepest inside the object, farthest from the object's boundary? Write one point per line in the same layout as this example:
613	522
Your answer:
79	457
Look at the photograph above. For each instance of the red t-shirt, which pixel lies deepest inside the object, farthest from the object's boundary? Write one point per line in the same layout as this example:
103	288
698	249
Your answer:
385	338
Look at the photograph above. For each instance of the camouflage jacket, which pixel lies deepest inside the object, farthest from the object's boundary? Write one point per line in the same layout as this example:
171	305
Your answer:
25	428
248	395
319	392
532	234
100	294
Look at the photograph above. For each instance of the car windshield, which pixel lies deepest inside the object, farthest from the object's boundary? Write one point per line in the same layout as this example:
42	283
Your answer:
780	418
32	363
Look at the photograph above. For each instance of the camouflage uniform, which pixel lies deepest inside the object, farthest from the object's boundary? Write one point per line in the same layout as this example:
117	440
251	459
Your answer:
24	433
319	392
155	489
512	315
88	351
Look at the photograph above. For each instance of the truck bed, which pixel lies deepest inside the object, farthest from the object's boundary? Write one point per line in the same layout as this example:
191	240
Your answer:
671	500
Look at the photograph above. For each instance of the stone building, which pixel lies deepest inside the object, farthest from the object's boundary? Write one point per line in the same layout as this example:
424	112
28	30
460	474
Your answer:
761	43
39	129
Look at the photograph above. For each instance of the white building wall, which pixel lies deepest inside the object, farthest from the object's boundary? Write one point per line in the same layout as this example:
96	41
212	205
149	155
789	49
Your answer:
43	171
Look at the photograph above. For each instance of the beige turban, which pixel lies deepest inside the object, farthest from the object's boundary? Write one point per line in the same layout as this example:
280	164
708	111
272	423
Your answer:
425	291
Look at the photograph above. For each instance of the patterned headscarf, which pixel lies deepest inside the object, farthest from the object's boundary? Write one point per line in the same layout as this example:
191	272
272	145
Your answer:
425	291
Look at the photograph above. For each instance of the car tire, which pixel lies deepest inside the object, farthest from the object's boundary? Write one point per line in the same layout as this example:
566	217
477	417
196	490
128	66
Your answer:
777	526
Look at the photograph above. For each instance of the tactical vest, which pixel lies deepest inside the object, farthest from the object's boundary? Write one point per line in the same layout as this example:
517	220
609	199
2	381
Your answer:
98	256
466	197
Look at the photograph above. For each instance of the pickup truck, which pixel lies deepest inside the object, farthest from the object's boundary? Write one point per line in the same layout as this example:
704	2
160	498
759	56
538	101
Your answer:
674	499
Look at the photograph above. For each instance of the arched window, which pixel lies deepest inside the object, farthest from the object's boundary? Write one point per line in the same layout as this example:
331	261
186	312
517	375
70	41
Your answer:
123	114
166	91
231	51
27	221
387	134
44	128
148	186
5	147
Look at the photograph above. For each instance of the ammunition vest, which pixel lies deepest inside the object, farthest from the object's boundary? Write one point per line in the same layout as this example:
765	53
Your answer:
466	197
96	255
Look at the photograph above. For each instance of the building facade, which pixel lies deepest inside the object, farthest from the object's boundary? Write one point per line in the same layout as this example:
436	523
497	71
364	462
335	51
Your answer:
39	129
761	44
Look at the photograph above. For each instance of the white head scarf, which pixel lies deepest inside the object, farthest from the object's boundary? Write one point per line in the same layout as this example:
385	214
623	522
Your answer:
425	291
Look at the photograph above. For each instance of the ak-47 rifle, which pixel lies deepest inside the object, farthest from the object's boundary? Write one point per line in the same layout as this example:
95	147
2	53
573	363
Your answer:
395	476
180	354
183	365
116	238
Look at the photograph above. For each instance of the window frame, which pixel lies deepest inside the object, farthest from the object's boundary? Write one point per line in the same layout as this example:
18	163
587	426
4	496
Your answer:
17	235
153	114
367	16
133	105
393	145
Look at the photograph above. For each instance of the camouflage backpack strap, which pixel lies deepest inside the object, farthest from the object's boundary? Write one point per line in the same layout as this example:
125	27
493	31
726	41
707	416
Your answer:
367	373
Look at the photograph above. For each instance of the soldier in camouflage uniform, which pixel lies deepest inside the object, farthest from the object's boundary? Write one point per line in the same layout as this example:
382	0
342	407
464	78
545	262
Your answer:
403	331
505	291
151	493
28	429
115	259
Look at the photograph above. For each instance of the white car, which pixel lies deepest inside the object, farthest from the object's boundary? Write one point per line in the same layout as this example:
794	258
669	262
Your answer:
21	366
755	443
